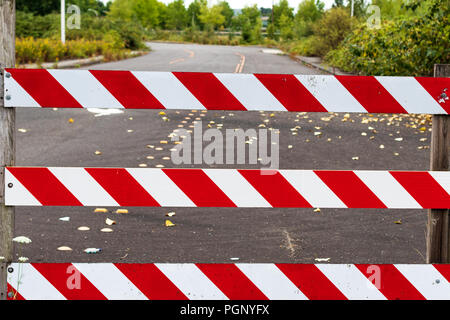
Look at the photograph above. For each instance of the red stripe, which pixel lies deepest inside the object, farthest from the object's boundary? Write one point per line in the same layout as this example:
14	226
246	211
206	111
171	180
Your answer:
128	90
371	94
232	281
350	189
209	91
151	281
311	281
392	283
423	188
44	186
275	189
16	295
443	269
63	277
435	87
199	187
121	185
44	88
290	92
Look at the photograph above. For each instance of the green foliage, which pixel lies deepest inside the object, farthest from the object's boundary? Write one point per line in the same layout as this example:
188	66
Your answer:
41	7
29	50
177	17
211	17
249	22
44	7
227	12
194	13
282	8
401	47
92	28
309	11
329	31
146	12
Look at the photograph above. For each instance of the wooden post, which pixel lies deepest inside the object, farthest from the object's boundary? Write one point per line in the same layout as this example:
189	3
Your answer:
7	132
438	227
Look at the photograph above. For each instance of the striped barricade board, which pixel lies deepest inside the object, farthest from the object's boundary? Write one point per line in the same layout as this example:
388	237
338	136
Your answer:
218	91
117	281
148	187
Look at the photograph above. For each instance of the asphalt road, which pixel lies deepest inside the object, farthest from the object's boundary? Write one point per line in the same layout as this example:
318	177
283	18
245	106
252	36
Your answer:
218	235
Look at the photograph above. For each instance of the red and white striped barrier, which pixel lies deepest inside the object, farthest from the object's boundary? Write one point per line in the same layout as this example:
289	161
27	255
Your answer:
217	91
146	187
110	281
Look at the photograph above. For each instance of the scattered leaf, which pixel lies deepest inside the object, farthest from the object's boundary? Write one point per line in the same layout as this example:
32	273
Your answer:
64	248
110	222
92	250
169	223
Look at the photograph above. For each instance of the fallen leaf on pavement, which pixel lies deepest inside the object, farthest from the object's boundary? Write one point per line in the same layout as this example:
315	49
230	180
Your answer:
110	222
169	223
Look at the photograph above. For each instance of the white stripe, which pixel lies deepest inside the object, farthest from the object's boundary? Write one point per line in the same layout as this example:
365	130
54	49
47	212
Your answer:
250	92
411	95
239	190
331	93
387	189
19	97
351	282
85	88
110	281
427	280
312	188
170	92
160	187
271	281
191	281
31	284
18	195
81	184
443	178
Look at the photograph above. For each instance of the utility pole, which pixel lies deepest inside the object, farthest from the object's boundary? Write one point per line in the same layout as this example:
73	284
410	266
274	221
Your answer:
353	7
63	21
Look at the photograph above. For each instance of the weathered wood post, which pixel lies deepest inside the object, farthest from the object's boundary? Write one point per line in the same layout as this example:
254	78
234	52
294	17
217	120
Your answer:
7	132
438	228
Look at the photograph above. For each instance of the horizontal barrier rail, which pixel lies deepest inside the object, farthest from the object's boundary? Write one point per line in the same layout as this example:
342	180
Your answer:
102	281
218	91
147	187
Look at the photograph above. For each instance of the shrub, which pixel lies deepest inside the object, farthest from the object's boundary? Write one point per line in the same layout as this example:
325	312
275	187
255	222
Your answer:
331	30
401	47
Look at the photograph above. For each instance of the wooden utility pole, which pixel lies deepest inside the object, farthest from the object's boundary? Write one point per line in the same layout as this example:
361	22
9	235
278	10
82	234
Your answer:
7	132
438	227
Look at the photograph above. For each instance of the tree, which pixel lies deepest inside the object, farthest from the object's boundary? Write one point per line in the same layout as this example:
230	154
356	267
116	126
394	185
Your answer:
309	11
249	22
211	17
176	15
334	26
338	3
146	12
282	8
41	7
227	12
194	12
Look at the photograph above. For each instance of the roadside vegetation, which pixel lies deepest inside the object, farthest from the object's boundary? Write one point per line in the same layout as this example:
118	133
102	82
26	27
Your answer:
409	37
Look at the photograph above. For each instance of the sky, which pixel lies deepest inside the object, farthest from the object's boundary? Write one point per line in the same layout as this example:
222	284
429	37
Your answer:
239	4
